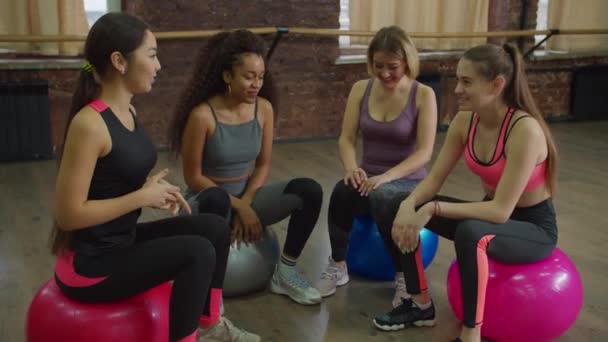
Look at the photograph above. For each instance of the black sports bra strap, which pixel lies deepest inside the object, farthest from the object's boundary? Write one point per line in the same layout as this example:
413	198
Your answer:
513	125
212	111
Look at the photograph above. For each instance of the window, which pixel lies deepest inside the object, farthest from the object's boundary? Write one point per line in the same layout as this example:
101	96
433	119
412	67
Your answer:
415	16
344	23
541	19
96	8
577	15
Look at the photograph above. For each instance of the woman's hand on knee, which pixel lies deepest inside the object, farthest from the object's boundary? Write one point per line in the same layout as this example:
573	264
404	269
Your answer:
406	237
244	234
373	183
355	177
236	233
248	223
408	224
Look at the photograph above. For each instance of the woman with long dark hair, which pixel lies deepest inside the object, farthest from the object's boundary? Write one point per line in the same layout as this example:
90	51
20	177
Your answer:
103	254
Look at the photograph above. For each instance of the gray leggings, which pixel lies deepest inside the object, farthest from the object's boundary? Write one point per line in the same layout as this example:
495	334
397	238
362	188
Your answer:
300	199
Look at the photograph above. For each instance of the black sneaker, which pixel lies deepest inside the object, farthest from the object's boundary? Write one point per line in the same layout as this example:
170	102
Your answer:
405	315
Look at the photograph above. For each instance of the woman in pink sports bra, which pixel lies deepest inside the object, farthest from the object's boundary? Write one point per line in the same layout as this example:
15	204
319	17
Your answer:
506	142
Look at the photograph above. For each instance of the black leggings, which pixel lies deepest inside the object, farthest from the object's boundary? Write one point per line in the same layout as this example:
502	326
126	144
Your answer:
346	203
529	235
190	250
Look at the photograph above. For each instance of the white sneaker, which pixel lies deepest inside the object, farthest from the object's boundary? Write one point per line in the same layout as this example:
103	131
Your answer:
225	331
287	281
400	290
334	275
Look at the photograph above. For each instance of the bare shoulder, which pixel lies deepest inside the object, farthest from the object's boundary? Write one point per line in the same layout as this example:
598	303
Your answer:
424	90
201	114
265	108
424	93
462	119
460	124
358	87
526	129
87	122
88	131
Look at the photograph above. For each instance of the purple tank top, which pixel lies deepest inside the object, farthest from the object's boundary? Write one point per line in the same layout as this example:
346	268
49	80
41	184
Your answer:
386	144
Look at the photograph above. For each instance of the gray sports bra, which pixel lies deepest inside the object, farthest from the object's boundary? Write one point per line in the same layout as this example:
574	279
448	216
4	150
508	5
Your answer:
232	149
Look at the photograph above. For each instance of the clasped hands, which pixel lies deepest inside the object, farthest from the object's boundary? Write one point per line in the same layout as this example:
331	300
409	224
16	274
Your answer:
246	225
160	194
358	179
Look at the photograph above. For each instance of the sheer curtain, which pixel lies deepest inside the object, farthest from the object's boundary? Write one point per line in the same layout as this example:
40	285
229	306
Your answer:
580	14
43	17
422	16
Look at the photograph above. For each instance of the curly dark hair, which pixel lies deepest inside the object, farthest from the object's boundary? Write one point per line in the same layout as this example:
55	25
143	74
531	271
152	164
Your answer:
222	51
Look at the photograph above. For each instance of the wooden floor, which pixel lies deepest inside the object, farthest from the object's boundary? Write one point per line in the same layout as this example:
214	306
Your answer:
25	262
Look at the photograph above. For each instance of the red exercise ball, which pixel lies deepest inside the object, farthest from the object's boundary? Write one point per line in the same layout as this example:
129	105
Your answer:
54	317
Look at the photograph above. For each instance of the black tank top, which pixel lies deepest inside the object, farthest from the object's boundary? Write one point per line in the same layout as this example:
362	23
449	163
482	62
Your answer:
122	171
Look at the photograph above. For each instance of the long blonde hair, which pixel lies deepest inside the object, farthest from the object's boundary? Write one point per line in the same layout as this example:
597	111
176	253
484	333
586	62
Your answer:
394	40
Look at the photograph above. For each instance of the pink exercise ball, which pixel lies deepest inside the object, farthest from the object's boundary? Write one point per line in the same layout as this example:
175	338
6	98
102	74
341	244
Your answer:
54	317
530	302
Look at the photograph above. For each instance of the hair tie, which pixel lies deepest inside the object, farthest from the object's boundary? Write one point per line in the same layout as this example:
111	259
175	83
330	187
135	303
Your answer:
88	67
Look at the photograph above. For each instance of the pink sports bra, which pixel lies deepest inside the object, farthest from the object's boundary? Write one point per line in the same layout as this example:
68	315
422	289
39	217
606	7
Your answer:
491	172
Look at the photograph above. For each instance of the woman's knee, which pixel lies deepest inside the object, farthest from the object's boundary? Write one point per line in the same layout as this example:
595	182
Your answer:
218	195
392	193
214	200
468	232
343	192
210	226
216	224
198	250
309	190
385	204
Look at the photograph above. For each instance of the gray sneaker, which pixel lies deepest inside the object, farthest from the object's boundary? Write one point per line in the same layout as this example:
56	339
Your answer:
225	331
334	275
287	281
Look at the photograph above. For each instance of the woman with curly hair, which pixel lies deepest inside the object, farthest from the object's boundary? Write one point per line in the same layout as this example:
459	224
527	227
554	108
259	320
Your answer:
223	129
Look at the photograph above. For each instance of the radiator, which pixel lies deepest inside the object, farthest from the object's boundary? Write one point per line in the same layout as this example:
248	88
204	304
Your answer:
589	100
25	129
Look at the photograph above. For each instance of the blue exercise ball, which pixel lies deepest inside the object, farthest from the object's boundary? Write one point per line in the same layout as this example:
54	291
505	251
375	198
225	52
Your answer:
367	255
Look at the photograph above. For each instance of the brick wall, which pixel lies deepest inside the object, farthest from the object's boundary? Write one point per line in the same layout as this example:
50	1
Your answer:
550	82
312	88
